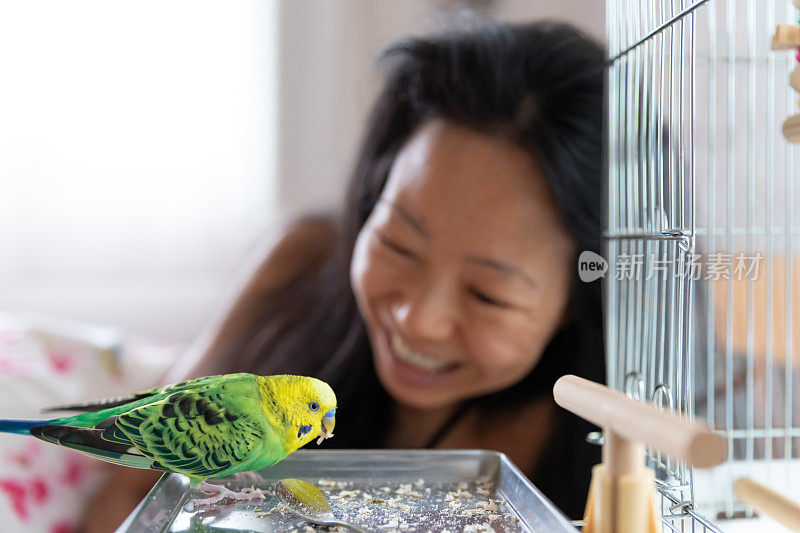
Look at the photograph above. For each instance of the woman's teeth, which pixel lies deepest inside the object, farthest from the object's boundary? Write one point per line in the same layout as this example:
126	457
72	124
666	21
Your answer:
424	362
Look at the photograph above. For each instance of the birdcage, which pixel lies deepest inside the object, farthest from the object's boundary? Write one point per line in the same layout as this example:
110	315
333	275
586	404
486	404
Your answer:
703	287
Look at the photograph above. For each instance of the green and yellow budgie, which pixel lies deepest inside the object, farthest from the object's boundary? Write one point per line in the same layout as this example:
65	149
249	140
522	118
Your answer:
203	428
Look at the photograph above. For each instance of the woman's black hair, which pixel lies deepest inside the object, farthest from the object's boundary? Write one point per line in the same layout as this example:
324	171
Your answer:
537	85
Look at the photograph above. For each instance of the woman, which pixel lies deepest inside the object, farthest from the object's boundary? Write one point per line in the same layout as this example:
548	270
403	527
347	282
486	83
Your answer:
443	303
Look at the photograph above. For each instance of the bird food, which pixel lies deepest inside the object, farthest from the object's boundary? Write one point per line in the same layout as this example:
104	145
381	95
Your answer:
381	490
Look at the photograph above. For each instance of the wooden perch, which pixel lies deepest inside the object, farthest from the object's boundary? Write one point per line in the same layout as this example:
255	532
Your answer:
688	441
622	493
768	502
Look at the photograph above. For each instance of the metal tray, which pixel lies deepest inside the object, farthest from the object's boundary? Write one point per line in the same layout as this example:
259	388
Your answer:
380	490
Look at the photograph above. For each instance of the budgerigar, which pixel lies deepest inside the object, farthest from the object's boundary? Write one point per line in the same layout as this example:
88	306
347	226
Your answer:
203	428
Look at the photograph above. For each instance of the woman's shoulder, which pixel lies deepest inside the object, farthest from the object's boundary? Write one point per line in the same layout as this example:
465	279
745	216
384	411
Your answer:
308	234
296	247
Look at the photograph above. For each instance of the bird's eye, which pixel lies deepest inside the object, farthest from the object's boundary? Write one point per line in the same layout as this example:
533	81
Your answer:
314	406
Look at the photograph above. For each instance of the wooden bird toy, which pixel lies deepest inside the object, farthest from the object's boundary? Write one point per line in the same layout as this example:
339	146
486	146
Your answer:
791	129
787	37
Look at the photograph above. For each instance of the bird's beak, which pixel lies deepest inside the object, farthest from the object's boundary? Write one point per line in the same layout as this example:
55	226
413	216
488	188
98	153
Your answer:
328	422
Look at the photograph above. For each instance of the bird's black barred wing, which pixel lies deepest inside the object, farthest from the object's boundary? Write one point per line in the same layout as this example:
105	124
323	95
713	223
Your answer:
199	434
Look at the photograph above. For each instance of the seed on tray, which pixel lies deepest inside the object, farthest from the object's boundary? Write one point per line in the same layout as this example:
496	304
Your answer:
391	523
488	506
395	502
479	528
345	494
460	493
405	490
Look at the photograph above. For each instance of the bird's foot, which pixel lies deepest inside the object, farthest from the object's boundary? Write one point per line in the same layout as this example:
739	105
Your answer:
217	493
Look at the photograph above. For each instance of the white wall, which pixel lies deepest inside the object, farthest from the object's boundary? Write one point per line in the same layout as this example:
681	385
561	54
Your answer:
145	146
137	156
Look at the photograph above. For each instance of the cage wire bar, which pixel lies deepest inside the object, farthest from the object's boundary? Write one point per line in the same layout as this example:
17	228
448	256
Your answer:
702	295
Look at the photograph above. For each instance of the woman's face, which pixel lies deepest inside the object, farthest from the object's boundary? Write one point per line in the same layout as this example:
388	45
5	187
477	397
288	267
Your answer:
462	271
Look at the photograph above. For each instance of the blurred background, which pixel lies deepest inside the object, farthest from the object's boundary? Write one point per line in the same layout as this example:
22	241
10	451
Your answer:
146	147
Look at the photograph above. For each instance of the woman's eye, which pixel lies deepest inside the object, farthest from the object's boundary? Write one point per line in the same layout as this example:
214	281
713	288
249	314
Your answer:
488	300
402	250
314	406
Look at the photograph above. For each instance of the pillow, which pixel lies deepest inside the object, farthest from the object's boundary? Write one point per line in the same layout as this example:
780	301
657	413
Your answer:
46	361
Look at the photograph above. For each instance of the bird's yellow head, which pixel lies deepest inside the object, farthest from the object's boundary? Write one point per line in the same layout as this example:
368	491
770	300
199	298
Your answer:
306	407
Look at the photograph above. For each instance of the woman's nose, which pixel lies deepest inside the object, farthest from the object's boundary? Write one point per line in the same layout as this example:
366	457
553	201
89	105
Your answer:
428	313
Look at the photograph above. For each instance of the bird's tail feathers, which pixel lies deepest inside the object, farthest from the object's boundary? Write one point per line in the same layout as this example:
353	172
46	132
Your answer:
21	427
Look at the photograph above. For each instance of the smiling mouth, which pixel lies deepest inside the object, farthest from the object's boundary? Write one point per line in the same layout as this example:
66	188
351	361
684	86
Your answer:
419	361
